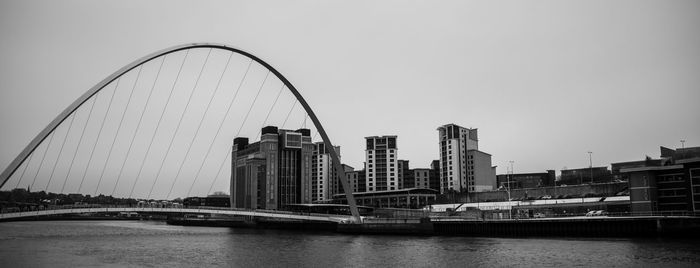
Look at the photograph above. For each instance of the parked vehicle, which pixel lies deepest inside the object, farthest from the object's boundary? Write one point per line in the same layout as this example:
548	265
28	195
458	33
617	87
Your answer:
596	213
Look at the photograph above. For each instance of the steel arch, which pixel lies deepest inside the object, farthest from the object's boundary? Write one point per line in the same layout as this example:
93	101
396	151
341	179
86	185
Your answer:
15	164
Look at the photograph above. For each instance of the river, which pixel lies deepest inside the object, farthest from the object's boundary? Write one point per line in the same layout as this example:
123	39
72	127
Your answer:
156	244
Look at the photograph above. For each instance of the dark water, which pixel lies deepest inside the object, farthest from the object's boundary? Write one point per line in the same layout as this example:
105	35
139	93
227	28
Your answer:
155	244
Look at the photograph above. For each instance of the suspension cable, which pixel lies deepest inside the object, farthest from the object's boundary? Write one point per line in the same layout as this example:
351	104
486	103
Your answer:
41	163
80	140
199	127
179	122
167	103
269	112
119	128
177	129
99	134
253	104
289	113
219	172
221	124
60	151
25	170
138	125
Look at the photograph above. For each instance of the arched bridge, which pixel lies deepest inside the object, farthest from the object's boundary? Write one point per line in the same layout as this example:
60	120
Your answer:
162	127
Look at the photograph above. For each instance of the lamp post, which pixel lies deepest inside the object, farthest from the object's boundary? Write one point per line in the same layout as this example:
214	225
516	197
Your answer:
590	160
510	211
682	144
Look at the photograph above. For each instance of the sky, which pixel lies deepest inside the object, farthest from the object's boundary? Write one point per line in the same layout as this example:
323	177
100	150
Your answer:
545	82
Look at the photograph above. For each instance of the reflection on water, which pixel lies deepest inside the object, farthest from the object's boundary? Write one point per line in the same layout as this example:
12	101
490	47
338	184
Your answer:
155	244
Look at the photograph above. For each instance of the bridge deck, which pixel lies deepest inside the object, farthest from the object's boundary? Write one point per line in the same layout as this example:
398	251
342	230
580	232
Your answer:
269	214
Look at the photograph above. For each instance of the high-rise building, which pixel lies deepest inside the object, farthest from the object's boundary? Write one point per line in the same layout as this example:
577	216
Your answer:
324	179
382	164
463	167
274	172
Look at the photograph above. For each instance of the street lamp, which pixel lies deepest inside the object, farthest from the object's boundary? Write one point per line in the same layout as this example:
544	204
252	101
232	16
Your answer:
510	211
682	144
590	160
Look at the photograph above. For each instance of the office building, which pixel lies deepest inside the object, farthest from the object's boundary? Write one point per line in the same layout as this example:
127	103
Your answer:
274	172
382	164
463	168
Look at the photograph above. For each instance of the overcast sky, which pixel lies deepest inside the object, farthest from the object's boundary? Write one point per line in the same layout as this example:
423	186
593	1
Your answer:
543	81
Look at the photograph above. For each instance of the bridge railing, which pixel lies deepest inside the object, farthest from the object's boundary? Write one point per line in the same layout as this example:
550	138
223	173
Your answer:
198	209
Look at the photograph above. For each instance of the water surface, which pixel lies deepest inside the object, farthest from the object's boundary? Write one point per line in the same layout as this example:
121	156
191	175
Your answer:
155	244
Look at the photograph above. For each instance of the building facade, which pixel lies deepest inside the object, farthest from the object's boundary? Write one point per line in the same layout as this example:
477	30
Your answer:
274	172
670	184
434	175
585	175
421	178
356	178
324	179
405	175
463	168
382	171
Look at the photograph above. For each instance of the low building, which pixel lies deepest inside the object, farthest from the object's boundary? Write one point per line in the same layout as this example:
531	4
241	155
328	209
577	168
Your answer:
209	201
356	178
526	180
404	198
421	178
670	184
585	175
